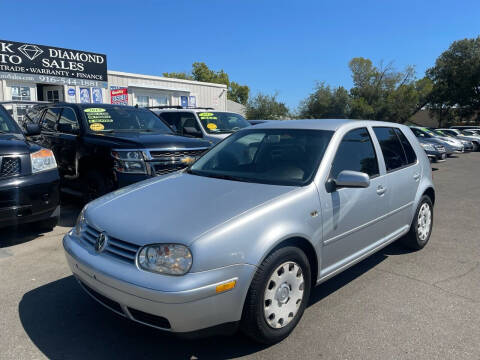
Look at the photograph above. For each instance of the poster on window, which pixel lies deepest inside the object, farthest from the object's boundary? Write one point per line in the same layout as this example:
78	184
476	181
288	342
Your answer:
184	101
84	95
192	101
119	96
97	97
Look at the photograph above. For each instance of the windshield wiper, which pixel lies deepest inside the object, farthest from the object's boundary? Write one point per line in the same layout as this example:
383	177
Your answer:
220	176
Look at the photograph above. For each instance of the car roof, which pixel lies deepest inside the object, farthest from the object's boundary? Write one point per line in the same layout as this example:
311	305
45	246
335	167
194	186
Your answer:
321	124
190	110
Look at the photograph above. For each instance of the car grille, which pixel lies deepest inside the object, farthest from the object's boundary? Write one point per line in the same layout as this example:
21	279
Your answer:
173	155
162	169
10	166
117	248
166	162
440	148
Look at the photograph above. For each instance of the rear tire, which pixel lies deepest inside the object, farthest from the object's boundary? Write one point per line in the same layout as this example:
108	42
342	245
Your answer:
278	296
422	225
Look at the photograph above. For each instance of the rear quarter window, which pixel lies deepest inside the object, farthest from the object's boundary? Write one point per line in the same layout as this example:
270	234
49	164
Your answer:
407	147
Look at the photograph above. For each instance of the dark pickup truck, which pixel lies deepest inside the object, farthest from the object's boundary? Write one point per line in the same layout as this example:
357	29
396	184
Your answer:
28	179
102	147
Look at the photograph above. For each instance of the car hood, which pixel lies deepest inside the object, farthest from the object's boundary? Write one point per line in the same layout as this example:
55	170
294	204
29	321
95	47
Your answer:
13	144
178	208
147	140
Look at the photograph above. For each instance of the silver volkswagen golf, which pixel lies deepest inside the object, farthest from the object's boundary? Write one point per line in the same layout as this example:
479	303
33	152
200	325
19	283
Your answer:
239	239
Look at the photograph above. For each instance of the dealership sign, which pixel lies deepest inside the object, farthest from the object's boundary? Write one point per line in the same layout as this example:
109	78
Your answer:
38	63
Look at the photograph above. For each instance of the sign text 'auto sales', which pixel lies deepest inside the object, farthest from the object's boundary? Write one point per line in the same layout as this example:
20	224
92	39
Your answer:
51	63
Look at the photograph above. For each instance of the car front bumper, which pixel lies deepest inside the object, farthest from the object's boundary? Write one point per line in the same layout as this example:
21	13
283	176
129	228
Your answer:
180	304
29	198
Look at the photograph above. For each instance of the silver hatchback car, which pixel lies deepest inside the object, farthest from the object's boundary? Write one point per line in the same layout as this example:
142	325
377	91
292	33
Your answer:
240	238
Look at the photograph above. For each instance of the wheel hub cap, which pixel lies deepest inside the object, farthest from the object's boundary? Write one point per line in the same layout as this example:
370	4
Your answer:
424	221
283	295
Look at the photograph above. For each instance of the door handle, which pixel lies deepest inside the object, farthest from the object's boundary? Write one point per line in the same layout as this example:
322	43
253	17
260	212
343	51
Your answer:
381	190
416	176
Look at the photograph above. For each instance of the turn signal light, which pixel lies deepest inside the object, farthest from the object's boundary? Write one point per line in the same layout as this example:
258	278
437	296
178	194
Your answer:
226	286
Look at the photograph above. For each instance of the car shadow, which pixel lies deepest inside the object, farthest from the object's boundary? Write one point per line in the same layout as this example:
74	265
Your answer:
434	169
23	233
65	323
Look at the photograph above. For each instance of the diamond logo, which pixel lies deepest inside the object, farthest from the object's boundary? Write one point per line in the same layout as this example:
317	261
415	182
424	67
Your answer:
30	51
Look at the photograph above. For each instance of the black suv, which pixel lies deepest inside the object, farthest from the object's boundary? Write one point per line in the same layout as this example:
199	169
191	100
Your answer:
28	179
102	147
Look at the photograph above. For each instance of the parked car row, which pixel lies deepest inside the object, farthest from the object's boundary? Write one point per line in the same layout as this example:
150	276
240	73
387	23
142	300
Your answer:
442	143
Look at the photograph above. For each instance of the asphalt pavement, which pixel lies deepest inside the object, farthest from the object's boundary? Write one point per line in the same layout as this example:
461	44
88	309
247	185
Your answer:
396	304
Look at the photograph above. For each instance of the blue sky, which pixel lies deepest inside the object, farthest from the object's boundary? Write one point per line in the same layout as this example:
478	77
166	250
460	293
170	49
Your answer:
272	46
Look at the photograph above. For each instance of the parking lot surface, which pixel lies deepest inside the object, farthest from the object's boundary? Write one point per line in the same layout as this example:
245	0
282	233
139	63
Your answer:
396	304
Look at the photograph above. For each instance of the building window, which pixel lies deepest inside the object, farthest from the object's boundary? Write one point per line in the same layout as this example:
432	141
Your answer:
21	93
53	95
142	101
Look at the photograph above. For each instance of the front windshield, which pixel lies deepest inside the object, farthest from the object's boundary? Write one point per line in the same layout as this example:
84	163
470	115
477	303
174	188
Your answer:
269	156
123	118
7	124
222	122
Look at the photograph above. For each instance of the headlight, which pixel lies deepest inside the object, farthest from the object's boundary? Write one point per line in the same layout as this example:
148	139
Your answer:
131	162
42	160
428	147
81	222
170	259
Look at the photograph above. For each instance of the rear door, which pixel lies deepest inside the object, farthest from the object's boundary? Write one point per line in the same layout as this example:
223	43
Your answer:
403	175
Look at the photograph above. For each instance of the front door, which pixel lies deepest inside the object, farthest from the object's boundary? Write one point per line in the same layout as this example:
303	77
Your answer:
66	141
353	216
53	93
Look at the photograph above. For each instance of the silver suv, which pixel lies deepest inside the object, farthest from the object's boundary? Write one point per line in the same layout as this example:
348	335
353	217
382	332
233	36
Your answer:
204	123
242	236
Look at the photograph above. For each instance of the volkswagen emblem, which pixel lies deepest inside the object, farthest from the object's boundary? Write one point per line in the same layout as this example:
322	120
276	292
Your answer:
101	242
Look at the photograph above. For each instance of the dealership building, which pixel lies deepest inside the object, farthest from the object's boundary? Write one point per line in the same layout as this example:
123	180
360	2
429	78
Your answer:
37	73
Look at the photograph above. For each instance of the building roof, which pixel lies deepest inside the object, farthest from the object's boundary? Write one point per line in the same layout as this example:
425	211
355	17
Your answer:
161	78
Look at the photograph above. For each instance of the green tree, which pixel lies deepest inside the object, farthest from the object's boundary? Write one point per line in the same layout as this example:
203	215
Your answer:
266	107
201	72
382	93
456	81
325	102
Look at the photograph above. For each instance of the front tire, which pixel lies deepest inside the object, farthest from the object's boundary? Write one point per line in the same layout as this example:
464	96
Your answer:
422	225
95	184
278	296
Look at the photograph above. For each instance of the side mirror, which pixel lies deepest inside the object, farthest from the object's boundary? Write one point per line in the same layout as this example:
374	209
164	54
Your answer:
66	128
32	129
351	179
192	131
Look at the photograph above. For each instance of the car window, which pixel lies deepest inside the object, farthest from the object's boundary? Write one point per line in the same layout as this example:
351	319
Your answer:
7	124
269	156
50	118
171	118
357	153
118	118
407	147
222	122
34	115
68	117
392	149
